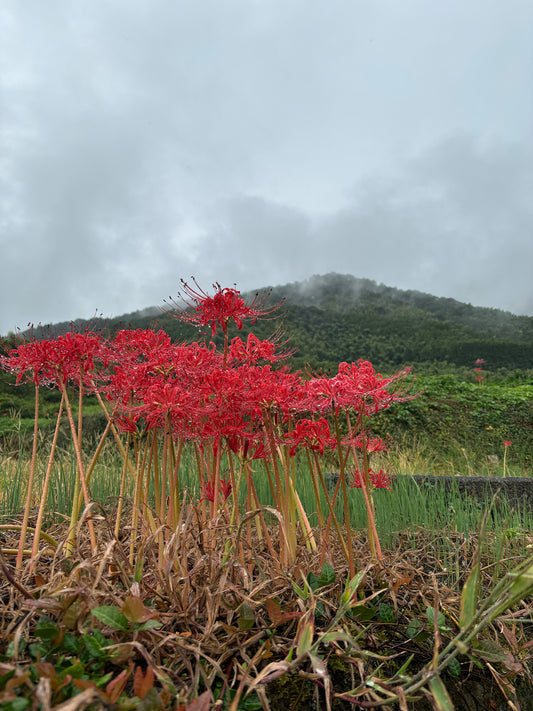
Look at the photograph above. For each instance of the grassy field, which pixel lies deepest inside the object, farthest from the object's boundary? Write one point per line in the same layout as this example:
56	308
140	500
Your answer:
407	507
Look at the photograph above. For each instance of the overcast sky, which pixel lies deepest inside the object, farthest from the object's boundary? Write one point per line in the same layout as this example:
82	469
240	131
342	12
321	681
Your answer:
258	142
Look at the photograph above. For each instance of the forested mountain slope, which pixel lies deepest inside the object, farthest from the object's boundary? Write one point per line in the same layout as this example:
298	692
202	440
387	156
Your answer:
336	317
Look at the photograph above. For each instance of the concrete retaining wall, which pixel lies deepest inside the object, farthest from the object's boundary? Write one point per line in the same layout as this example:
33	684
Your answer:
517	490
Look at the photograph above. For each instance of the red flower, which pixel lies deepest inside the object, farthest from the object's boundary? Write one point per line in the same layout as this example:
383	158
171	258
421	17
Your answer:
209	490
313	435
255	350
379	480
226	304
357	387
507	442
58	359
361	441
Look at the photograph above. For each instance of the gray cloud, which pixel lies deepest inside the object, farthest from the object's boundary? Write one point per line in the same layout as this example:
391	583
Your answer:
259	143
454	221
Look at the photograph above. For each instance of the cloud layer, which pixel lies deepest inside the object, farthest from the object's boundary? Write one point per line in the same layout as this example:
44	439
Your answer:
261	142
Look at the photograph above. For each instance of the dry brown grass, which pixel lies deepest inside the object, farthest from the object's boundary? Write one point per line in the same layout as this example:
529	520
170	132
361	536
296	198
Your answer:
231	623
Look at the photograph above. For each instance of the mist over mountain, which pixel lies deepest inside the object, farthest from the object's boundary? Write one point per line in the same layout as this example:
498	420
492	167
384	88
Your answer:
344	292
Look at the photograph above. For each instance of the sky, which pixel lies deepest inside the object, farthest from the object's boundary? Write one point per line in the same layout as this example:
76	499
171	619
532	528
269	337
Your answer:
260	142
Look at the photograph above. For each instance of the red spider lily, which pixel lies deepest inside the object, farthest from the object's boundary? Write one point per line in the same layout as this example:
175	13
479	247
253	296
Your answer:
378	480
507	443
356	387
225	305
253	351
56	359
248	446
33	361
284	391
313	435
164	400
359	387
370	444
127	424
208	489
141	341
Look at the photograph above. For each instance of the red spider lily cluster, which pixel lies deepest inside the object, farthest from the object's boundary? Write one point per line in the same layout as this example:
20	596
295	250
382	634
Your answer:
54	361
379	480
243	401
157	383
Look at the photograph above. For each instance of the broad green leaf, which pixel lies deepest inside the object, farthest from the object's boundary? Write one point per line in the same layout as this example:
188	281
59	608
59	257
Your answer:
363	612
46	629
112	617
440	694
38	650
94	641
103	680
71	644
386	613
489	651
148	625
6	677
10	651
454	667
441	620
327	575
74	670
251	703
313	581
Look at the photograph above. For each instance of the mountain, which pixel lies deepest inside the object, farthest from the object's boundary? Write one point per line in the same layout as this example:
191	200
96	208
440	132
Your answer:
345	293
335	317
